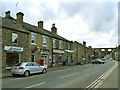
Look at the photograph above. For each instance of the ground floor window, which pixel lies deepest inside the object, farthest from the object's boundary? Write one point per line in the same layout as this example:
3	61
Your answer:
60	58
54	59
11	59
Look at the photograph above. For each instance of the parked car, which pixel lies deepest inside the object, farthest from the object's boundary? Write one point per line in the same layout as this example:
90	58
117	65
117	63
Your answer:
77	63
27	68
97	61
94	61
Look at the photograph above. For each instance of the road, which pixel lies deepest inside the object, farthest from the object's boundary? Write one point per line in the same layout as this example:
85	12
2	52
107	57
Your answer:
76	77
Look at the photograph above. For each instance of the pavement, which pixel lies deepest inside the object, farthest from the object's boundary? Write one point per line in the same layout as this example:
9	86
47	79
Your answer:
111	81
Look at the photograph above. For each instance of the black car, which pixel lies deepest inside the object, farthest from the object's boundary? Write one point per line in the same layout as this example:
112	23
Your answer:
77	63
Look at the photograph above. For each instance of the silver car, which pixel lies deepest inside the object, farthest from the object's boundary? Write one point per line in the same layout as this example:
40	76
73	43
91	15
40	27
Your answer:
27	68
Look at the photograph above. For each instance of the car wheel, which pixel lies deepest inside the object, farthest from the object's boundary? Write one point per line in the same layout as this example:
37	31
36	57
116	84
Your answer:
27	73
44	71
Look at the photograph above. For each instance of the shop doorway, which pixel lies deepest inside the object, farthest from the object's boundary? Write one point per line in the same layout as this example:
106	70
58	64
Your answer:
11	59
45	58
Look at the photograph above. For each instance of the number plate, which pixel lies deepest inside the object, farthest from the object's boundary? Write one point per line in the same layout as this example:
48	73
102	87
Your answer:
15	68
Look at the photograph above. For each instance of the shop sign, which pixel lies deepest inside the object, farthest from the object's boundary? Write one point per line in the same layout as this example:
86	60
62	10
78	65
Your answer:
13	49
70	51
58	51
44	51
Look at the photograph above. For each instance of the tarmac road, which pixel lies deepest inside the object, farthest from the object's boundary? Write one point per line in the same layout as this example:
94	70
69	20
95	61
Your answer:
76	77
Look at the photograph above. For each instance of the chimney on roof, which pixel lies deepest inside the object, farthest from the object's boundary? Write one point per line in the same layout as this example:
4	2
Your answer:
84	43
54	29
20	18
40	24
7	14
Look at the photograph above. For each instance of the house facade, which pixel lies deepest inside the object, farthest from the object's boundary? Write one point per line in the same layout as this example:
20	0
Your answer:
23	42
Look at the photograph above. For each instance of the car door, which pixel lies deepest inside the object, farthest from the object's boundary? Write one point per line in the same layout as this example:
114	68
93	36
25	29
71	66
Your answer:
37	67
29	66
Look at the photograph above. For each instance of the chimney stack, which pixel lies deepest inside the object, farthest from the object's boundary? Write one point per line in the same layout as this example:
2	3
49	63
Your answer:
84	43
7	14
40	24
20	18
54	29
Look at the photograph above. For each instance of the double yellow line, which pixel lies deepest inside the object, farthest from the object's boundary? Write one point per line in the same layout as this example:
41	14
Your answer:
102	77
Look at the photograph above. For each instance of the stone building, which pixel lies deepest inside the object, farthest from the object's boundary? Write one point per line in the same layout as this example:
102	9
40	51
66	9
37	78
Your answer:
23	42
15	41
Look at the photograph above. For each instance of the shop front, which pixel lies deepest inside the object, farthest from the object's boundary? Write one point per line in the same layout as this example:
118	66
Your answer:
68	57
12	55
58	57
45	57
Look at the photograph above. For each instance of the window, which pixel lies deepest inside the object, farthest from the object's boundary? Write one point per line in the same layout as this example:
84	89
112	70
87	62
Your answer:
35	64
54	43
68	45
33	38
44	41
14	38
60	44
29	64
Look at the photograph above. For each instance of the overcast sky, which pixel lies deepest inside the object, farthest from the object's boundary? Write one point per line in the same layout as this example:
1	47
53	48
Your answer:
77	20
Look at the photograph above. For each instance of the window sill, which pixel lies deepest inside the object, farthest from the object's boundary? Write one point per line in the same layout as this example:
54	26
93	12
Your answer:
33	44
15	43
44	45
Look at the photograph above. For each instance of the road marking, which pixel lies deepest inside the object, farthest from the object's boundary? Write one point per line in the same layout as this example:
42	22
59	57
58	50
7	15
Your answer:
33	85
69	75
16	78
102	77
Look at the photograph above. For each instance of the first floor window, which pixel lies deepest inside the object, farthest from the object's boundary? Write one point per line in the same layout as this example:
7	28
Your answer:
14	38
33	38
53	43
44	41
68	45
60	44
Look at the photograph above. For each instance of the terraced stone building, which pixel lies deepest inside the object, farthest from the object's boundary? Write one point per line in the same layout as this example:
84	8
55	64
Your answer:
23	42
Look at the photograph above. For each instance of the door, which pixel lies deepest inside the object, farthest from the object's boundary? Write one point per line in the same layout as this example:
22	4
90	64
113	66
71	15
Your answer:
45	58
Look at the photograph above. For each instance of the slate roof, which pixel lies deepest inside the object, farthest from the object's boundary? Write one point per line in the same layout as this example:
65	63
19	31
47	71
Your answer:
10	23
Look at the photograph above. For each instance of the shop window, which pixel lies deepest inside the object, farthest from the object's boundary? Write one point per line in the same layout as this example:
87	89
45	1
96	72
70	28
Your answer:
44	41
54	43
14	38
11	59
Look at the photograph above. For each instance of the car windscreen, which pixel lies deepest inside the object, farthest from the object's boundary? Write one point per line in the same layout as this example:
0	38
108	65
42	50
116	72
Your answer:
18	64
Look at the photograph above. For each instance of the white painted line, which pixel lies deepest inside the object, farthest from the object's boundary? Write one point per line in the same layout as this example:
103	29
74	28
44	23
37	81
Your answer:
16	79
35	85
69	75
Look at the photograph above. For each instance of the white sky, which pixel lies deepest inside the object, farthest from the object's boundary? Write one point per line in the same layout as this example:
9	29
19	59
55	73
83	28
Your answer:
94	21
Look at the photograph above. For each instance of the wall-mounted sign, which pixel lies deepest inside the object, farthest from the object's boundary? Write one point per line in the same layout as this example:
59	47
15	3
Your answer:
13	49
46	51
70	51
58	51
